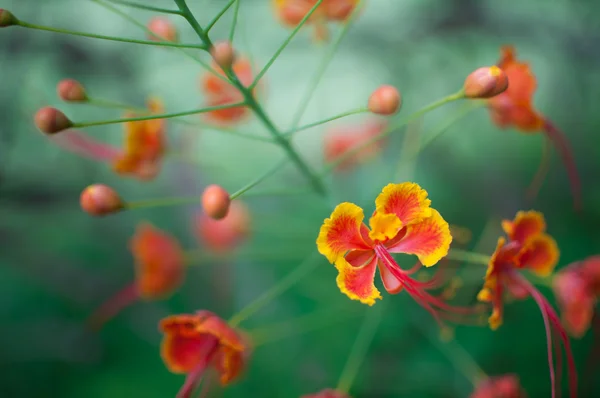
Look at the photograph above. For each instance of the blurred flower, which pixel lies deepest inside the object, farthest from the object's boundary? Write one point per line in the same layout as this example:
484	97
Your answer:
340	140
506	386
145	145
224	235
219	92
328	393
162	29
291	13
528	247
403	222
514	108
194	342
159	271
576	288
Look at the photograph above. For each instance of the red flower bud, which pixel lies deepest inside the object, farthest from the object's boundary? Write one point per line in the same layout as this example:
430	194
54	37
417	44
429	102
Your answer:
70	90
51	121
485	82
7	18
215	202
100	200
162	30
223	54
385	100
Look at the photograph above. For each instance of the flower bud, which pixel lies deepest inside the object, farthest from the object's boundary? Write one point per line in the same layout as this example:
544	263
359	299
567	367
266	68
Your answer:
385	100
7	18
162	30
215	202
223	54
485	82
70	90
51	121
100	200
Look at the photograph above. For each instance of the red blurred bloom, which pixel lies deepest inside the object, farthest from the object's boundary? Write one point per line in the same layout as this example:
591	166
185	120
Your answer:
159	271
514	108
220	92
194	342
328	393
528	247
576	288
340	140
506	386
224	235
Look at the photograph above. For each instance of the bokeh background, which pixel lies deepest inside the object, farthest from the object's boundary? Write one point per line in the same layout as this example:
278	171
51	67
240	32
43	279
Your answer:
58	264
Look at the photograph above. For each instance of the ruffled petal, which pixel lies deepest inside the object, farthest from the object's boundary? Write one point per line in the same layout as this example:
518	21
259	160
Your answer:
358	282
429	240
408	201
384	226
540	255
525	225
341	232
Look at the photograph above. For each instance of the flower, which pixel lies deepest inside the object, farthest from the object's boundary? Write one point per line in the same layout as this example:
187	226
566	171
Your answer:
505	386
227	233
403	222
528	247
514	108
145	145
220	92
194	342
327	393
340	140
291	13
159	271
576	288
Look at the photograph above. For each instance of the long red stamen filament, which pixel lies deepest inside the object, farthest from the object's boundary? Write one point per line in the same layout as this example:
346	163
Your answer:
551	319
113	306
194	377
86	146
542	171
564	148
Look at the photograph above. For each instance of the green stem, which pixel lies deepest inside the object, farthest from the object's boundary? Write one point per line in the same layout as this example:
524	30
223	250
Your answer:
145	7
249	99
351	152
259	179
152	117
218	16
162	202
284	44
278	193
145	29
312	85
470	257
360	347
111	38
341	115
309	264
234	23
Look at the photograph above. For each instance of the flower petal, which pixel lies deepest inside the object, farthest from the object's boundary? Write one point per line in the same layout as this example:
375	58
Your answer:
540	255
390	282
384	226
525	225
407	200
429	240
341	232
575	301
358	282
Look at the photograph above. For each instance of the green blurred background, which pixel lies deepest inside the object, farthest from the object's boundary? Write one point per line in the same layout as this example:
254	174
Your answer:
58	264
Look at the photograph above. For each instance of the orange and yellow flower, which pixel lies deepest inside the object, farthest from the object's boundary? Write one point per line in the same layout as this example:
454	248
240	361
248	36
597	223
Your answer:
340	140
514	108
159	271
291	13
194	342
145	145
403	222
219	92
528	247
